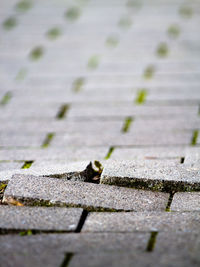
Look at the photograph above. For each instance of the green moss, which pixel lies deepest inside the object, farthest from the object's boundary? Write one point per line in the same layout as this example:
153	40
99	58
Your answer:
36	53
149	72
186	11
5	99
127	123
62	112
21	74
99	166
152	241
112	41
78	84
73	13
162	50
134	3
27	232
27	164
194	137
48	140
10	23
23	5
2	187
173	31
141	96
110	151
93	62
53	33
125	22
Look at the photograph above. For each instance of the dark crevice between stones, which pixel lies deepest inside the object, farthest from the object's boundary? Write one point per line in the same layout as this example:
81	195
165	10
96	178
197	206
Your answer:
141	97
153	185
62	111
152	241
91	174
27	164
3	186
48	140
81	221
169	201
67	259
26	201
25	232
194	137
127	124
78	84
110	151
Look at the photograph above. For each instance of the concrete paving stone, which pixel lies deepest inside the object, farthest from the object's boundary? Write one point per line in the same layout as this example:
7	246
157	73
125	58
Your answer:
150	153
164	124
165	138
26	250
152	175
4	165
21	140
142	222
51	191
60	126
39	218
189	201
171	249
178	249
83	170
127	109
69	154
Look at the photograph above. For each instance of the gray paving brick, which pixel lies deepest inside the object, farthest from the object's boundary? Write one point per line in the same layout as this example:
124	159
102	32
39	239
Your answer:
152	175
33	189
118	139
27	250
189	201
39	218
10	165
50	154
142	222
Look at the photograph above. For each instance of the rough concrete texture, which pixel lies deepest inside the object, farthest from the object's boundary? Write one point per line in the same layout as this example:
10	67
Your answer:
89	80
153	175
51	191
39	218
143	222
189	201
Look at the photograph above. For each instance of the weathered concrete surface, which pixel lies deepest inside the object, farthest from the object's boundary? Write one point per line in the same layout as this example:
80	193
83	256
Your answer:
189	201
51	191
39	218
153	175
143	222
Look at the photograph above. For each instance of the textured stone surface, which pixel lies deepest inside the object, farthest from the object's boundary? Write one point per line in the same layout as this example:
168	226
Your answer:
143	222
33	189
39	218
152	175
189	201
27	250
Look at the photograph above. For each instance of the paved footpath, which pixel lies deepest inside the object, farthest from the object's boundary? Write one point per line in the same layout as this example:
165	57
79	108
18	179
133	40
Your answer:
99	133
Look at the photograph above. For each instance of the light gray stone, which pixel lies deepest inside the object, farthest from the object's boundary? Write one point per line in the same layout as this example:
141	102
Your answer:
61	192
188	201
152	175
39	218
143	222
